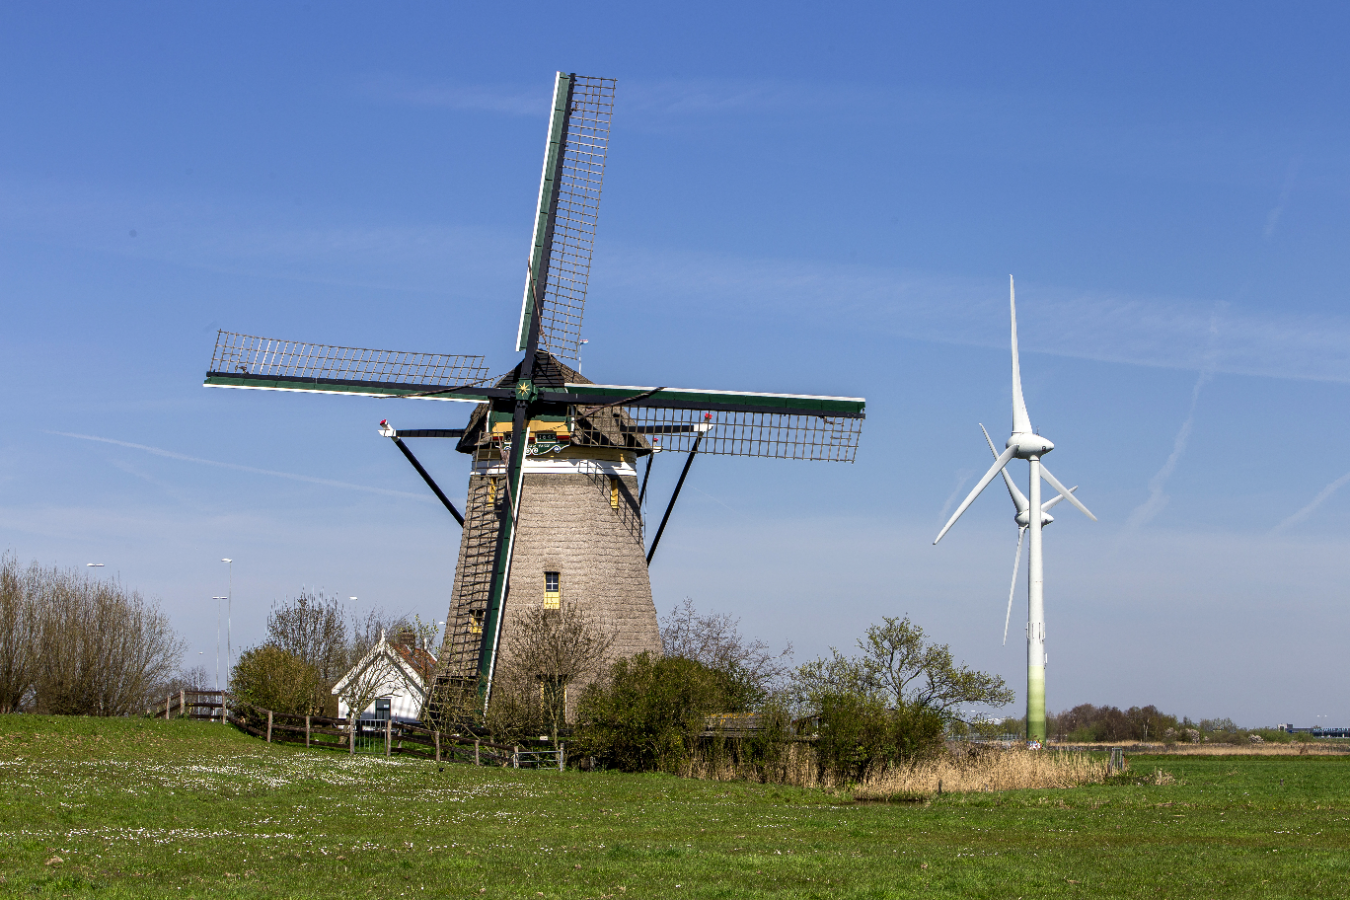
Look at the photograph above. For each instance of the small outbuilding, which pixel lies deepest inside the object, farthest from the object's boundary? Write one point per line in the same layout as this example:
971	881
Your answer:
393	676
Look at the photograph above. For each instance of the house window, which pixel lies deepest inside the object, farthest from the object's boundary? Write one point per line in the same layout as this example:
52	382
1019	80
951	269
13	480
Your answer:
383	707
613	492
552	591
476	621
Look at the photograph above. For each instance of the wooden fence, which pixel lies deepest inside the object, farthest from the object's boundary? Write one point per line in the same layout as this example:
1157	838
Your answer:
328	733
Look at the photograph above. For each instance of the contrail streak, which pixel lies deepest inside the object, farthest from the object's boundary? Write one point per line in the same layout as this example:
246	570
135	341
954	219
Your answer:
1322	497
169	454
961	478
1157	497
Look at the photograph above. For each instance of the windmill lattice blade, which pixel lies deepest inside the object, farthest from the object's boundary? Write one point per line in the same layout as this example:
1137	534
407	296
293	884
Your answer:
1054	501
1021	421
248	361
1021	533
733	423
750	433
1019	499
997	467
1065	492
569	208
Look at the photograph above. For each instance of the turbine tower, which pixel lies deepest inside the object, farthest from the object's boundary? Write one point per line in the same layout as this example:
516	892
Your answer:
1025	443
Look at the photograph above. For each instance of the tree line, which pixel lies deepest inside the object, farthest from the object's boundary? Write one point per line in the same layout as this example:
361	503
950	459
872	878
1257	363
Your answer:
887	703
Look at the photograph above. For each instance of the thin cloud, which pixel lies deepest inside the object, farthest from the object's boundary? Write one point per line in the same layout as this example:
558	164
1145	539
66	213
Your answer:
1152	331
169	454
1322	497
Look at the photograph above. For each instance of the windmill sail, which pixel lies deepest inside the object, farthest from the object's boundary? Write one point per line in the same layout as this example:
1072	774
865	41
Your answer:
569	205
732	423
259	363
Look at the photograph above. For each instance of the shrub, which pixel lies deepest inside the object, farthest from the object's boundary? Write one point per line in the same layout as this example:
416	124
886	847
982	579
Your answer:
649	713
276	679
858	734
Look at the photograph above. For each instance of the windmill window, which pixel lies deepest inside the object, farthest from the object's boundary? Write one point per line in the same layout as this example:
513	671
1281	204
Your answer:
613	492
492	490
552	590
476	622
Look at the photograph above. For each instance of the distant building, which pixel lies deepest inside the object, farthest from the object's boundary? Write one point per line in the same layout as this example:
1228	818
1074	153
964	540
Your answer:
400	670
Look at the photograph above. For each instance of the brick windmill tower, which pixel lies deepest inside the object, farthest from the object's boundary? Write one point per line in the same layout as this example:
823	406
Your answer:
554	509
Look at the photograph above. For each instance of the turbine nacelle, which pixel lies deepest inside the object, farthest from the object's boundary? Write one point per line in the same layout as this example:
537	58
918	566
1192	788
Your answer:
1023	519
1028	445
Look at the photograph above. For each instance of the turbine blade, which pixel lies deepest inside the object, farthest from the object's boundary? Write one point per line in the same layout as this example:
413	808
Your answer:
1054	501
1067	494
1019	499
970	498
1021	421
1021	533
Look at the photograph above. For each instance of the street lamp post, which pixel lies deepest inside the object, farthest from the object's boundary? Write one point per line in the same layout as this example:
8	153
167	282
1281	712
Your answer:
229	623
218	599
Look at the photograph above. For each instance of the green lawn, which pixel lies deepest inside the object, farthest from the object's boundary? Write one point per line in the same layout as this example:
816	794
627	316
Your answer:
183	809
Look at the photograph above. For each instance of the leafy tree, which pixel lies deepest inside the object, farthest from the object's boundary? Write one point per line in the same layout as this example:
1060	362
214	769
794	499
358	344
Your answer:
277	679
901	668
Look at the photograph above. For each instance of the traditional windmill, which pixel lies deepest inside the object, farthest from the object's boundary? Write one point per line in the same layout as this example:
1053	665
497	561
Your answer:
554	510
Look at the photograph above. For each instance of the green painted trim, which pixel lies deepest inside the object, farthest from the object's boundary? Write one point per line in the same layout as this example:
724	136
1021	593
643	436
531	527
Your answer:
319	386
1036	703
487	659
548	192
768	401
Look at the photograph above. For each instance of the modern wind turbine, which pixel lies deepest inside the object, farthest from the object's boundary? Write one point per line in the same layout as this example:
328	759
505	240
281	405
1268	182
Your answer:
1025	443
1022	516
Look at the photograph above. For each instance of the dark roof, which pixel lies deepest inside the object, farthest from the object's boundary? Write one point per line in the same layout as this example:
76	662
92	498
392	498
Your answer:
609	427
422	662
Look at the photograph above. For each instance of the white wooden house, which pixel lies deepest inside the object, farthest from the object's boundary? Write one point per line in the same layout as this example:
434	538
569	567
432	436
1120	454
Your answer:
397	674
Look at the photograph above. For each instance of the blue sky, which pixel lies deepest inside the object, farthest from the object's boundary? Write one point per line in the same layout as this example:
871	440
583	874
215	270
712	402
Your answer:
797	199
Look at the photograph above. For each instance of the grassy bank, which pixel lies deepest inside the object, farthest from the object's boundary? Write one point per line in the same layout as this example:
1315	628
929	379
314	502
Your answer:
180	809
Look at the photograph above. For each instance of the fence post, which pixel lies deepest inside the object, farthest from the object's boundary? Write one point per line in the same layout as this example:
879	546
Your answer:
182	703
515	757
388	734
436	736
306	731
562	752
167	701
475	752
351	736
269	726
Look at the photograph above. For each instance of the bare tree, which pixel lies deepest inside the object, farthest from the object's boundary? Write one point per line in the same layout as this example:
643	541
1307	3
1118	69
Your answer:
314	628
715	640
546	653
18	633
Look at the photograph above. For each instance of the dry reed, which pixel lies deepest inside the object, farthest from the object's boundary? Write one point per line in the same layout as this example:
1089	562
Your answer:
961	771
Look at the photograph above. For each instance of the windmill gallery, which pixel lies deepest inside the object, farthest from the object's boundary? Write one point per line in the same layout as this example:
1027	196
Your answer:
553	515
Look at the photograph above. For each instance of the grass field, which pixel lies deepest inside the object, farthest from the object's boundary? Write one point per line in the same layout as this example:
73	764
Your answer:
135	808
